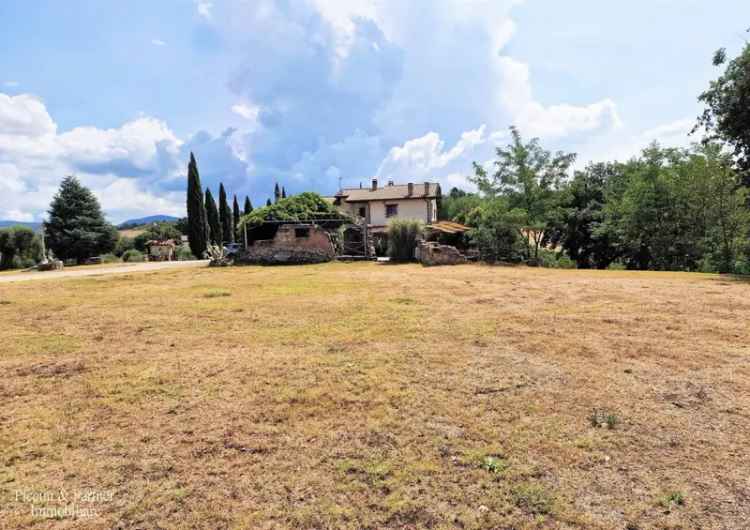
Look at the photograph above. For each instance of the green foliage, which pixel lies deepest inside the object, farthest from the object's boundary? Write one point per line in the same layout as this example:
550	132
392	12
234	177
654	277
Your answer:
673	498
498	231
225	217
458	205
236	219
726	116
402	238
303	207
555	260
132	255
123	244
604	418
76	228
493	464
530	178
248	206
212	218
110	258
19	247
197	223
184	253
157	232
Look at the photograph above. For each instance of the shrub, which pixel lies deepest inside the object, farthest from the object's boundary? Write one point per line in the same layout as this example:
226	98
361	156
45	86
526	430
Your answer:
533	499
123	245
616	266
555	260
132	255
184	253
109	258
402	238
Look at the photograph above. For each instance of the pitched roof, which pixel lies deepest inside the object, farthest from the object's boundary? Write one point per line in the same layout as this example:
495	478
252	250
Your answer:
449	227
397	191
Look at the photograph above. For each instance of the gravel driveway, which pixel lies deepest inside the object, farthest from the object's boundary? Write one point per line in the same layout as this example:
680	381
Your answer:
123	268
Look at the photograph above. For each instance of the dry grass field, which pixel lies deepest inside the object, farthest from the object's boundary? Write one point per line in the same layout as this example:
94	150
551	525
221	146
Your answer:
376	396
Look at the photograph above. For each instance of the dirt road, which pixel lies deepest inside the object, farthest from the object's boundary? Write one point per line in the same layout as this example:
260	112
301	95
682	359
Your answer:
120	268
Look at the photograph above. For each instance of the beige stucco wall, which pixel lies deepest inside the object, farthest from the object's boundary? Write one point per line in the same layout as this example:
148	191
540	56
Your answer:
407	209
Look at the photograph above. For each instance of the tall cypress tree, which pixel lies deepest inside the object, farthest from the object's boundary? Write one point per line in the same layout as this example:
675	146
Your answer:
212	215
283	192
248	206
236	219
276	193
197	226
268	202
76	228
225	216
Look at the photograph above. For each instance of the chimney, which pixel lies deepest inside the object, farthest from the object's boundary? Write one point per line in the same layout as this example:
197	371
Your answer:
390	182
410	187
426	189
374	184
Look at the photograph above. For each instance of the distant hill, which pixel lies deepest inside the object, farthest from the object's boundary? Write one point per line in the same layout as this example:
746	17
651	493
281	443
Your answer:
130	223
34	226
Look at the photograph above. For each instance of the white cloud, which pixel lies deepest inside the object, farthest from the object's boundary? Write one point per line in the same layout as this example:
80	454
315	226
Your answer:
534	119
204	8
124	165
249	112
158	42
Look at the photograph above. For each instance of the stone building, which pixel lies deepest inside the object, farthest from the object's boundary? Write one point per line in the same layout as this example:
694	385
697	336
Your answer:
286	242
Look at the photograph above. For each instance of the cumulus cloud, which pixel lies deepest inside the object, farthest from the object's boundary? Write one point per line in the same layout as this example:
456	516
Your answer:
516	97
125	166
204	8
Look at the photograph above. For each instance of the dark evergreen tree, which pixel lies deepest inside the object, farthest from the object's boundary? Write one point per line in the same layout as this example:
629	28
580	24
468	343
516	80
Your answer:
212	216
236	219
225	216
268	202
197	225
276	193
283	192
76	228
248	206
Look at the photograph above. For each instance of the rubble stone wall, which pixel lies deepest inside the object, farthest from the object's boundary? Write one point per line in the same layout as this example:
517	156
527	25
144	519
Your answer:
291	246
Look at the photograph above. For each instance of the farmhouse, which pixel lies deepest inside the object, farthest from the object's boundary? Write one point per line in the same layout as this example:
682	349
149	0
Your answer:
378	204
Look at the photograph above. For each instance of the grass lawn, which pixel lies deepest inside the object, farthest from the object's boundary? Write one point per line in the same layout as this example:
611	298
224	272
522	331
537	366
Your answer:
376	396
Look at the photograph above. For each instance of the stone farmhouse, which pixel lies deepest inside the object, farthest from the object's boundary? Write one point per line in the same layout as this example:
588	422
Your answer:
379	204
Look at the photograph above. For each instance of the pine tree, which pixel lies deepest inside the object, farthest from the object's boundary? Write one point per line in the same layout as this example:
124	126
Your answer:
276	193
212	216
225	216
236	219
283	192
248	206
268	202
197	225
76	228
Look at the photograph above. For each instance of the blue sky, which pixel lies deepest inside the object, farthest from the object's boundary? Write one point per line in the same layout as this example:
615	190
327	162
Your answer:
308	92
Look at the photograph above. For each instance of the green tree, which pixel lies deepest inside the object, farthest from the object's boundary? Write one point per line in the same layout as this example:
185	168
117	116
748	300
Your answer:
726	116
156	232
236	219
283	192
496	231
225	216
276	193
248	206
268	202
458	205
76	228
196	211
581	213
212	216
530	178
18	247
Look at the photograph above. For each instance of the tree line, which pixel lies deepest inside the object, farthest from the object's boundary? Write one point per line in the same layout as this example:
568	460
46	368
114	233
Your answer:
666	209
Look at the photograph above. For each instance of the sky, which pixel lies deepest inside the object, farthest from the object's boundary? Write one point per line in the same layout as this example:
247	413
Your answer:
314	94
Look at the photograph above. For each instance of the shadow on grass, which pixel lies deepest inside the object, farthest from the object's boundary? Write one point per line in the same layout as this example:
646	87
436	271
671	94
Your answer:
738	278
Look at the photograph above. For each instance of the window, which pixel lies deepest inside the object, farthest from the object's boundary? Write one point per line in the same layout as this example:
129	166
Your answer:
362	211
391	210
302	232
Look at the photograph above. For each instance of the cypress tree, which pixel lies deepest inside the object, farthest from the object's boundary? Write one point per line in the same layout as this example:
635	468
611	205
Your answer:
283	192
76	228
276	193
197	226
236	219
212	216
225	216
268	202
248	206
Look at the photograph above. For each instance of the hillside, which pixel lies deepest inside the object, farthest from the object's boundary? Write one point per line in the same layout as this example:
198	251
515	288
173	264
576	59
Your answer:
130	223
33	226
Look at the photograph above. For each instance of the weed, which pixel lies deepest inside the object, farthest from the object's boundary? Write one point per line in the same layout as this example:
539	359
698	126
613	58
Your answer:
493	464
533	499
217	294
674	498
603	418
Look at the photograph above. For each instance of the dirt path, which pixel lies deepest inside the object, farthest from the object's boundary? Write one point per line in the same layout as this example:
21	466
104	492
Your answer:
122	268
